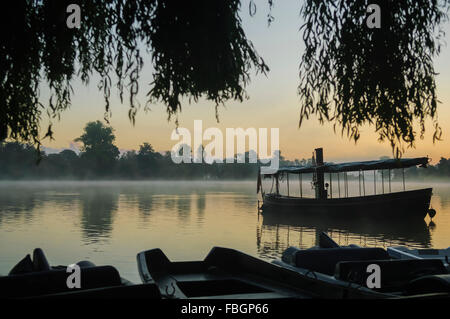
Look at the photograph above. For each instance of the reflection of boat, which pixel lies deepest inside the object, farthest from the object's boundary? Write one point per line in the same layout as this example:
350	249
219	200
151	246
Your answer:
411	204
368	267
415	231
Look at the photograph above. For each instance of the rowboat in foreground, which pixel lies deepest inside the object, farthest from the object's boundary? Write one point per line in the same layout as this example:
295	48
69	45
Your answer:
406	203
34	278
348	265
401	252
230	274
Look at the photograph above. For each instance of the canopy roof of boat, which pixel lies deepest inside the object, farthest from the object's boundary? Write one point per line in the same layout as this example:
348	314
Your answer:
351	166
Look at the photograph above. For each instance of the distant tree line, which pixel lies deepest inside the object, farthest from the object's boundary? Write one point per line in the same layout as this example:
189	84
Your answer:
439	171
100	159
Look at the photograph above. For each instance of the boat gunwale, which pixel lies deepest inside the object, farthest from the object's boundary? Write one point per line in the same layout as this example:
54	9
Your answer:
392	195
255	271
392	205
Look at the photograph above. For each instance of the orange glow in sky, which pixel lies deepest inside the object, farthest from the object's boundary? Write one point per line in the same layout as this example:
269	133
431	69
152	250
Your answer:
273	103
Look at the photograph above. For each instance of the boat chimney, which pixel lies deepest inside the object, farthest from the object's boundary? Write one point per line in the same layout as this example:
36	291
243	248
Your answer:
320	179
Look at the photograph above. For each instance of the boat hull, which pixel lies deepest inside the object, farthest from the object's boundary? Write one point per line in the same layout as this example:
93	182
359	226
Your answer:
409	204
230	274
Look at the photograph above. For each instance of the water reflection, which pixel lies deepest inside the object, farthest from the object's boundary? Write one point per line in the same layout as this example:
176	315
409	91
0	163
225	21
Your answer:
145	204
98	209
183	207
442	193
201	205
278	230
110	222
17	206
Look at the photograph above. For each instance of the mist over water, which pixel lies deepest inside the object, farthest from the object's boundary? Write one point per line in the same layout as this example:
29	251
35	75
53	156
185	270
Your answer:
110	222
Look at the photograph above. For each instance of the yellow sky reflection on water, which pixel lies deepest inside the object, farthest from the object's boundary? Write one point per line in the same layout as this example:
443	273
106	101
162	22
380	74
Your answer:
109	223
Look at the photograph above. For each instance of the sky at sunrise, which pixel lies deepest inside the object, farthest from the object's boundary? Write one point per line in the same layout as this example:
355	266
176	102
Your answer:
273	102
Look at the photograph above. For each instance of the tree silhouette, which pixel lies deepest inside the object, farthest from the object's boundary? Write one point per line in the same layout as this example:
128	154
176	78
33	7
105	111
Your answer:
349	74
198	49
148	160
354	75
98	150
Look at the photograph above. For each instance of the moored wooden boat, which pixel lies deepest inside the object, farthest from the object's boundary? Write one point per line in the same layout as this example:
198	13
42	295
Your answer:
401	252
407	203
227	273
402	278
34	278
414	203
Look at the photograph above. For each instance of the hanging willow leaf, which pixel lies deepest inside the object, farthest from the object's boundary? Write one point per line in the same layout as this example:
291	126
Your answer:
353	75
199	49
350	74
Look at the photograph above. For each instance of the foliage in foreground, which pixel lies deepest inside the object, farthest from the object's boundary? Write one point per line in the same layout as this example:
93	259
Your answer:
349	74
353	75
198	49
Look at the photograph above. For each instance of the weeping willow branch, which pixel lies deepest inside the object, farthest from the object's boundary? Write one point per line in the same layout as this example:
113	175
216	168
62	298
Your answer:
352	75
198	49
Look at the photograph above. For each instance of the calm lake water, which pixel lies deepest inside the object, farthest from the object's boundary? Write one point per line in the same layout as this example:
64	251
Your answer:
110	222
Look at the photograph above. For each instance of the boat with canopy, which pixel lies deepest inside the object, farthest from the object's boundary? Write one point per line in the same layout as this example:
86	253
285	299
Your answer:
406	203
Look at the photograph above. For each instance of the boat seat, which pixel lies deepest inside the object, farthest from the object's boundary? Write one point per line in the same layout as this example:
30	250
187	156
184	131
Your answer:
55	281
395	274
40	262
325	260
326	241
28	265
429	284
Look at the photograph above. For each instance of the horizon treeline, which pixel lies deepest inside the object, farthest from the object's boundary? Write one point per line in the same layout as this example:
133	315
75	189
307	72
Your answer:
99	158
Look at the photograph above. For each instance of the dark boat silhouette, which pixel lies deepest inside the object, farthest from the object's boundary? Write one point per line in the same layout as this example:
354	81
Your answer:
34	278
230	274
401	277
394	205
